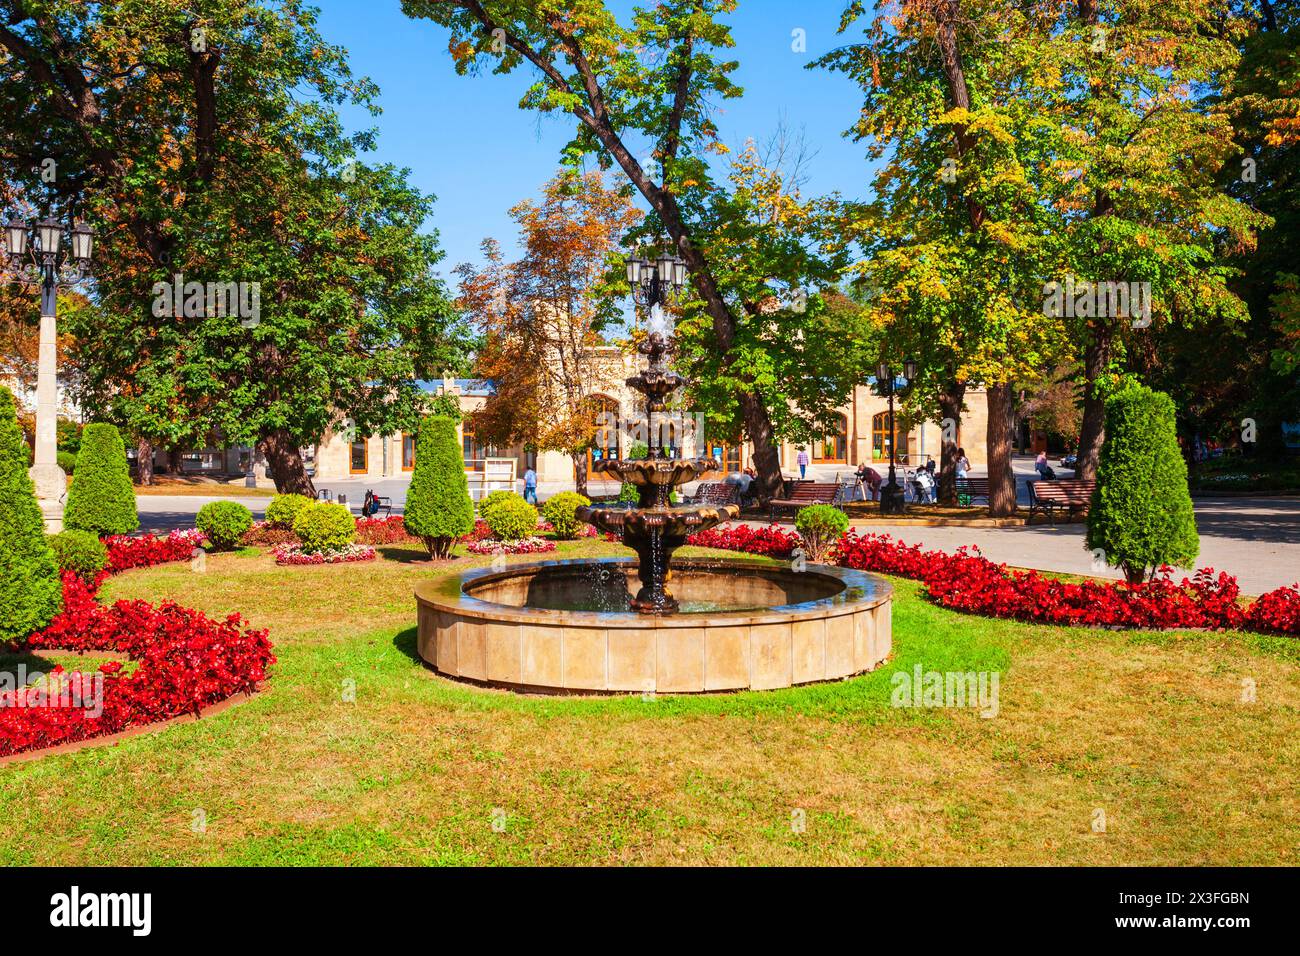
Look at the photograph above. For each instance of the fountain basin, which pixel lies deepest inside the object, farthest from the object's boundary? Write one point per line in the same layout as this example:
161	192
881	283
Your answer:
560	626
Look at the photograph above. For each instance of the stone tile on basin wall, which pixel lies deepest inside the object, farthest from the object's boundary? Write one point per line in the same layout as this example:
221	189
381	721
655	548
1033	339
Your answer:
726	658
839	646
584	657
542	657
680	659
809	650
471	650
632	659
505	654
770	663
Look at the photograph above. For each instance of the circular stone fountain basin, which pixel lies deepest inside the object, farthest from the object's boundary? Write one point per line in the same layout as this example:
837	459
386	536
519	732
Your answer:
564	626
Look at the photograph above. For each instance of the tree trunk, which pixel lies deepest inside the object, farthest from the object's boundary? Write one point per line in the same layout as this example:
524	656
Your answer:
285	463
144	461
173	458
950	402
1092	433
580	473
1002	482
767	460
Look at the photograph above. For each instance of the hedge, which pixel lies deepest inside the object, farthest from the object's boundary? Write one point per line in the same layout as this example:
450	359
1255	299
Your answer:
323	527
224	522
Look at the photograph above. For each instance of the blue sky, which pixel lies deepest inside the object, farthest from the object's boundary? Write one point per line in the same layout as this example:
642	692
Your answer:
465	139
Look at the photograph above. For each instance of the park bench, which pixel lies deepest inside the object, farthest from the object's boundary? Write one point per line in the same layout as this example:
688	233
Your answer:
1073	495
716	493
805	493
968	489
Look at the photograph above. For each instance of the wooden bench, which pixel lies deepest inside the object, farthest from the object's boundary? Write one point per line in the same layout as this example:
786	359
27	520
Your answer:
805	493
716	493
1073	495
968	489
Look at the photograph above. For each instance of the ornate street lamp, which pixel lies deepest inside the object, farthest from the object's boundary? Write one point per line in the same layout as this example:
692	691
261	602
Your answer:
655	281
34	260
891	496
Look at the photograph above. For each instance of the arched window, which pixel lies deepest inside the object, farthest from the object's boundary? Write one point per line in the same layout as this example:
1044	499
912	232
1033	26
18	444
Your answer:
881	446
834	445
605	415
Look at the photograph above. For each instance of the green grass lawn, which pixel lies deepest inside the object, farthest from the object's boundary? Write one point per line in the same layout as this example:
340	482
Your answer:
1148	728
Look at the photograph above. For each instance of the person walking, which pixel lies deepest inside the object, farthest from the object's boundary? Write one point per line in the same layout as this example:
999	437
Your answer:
802	461
962	463
530	485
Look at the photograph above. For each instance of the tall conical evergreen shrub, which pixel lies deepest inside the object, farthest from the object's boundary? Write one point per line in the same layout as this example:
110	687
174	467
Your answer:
30	590
1141	512
101	499
438	506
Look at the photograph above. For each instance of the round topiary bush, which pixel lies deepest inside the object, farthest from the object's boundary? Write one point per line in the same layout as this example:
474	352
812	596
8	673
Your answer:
283	509
101	499
324	527
79	552
224	522
1141	512
67	461
494	498
438	507
821	527
512	519
559	512
30	590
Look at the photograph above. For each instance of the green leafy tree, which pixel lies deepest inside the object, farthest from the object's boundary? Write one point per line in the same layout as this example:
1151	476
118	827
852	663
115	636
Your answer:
102	499
30	590
438	506
1141	513
644	97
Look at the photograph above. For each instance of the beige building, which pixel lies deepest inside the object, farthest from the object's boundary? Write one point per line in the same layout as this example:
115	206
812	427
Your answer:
862	437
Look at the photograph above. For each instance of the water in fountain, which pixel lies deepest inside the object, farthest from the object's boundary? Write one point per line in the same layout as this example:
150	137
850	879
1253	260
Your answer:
654	528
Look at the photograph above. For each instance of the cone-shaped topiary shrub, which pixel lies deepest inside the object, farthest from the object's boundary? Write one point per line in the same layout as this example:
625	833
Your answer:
559	512
1141	512
101	499
31	592
438	506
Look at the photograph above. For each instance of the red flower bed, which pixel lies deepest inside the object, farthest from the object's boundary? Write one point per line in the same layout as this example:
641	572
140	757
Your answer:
294	554
967	581
185	660
391	530
772	541
126	552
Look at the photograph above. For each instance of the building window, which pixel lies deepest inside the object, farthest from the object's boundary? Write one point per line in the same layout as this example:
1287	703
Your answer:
475	450
834	445
360	463
728	455
604	444
881	446
408	452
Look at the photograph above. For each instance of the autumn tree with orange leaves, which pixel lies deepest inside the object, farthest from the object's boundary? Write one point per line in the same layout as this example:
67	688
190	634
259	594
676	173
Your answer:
541	316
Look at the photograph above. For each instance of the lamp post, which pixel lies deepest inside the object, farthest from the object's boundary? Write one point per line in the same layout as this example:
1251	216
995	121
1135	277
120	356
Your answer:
891	496
35	259
654	281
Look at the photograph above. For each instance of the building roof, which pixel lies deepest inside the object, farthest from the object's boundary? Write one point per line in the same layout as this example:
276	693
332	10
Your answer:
471	387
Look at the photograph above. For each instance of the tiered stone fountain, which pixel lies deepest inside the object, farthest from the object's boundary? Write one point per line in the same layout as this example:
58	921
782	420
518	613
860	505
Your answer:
690	626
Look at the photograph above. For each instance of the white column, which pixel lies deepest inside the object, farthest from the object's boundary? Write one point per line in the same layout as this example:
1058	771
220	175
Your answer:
51	483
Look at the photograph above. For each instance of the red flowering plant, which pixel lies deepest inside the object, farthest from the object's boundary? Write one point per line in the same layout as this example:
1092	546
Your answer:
295	555
530	545
390	530
772	540
185	661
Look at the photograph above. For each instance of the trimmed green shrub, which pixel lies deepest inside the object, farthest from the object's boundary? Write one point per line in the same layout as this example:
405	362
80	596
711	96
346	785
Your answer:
494	498
512	519
101	499
438	506
558	511
627	494
79	552
821	527
325	527
224	522
68	435
1141	512
31	592
67	461
283	509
